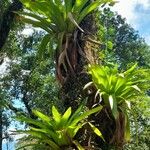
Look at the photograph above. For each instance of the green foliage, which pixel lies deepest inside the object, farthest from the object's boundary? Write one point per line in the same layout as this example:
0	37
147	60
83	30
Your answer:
118	90
127	46
140	124
58	18
59	130
3	5
28	78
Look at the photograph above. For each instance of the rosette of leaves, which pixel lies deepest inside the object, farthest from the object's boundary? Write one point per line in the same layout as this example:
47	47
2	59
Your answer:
58	131
60	19
118	90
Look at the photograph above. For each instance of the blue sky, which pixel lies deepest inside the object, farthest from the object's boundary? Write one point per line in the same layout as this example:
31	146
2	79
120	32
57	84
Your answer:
137	14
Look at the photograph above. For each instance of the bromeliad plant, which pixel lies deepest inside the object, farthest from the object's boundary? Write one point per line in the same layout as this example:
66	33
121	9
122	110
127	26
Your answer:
59	16
60	19
58	131
116	90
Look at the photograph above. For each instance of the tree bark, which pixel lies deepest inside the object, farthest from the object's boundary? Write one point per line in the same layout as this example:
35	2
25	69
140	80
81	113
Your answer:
72	92
72	89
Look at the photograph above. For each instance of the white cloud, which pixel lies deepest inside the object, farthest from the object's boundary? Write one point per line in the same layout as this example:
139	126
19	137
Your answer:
147	39
4	65
27	31
126	9
137	14
144	3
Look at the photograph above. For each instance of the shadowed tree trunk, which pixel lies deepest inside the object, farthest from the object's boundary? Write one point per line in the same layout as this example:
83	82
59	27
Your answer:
72	88
72	92
7	20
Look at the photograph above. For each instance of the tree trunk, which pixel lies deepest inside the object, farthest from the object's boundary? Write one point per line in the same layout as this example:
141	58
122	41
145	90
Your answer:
72	89
72	92
7	20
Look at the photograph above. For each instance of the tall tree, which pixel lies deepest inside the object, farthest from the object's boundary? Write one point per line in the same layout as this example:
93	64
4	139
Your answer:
74	33
27	79
123	45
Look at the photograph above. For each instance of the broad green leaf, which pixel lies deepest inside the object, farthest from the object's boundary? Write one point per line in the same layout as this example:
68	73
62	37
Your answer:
129	93
136	88
78	145
42	136
29	145
32	121
72	130
42	116
51	144
113	105
120	85
46	132
96	131
92	6
68	5
49	10
65	117
38	7
43	45
35	134
128	104
56	114
36	24
130	70
86	114
127	128
42	19
111	101
51	133
67	114
79	4
77	113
